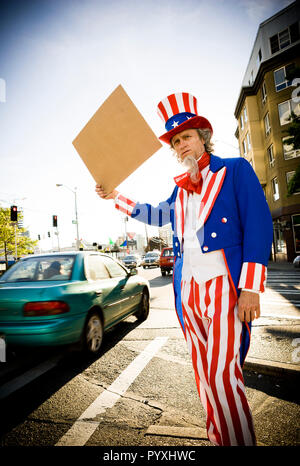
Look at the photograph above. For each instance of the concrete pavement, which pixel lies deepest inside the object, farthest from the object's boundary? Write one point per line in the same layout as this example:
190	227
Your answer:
275	337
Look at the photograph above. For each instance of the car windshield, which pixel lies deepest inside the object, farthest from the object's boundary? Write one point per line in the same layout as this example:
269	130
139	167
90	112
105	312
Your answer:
168	252
130	257
40	269
152	254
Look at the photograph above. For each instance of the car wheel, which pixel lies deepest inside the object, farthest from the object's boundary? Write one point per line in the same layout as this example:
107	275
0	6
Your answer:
143	311
163	272
93	334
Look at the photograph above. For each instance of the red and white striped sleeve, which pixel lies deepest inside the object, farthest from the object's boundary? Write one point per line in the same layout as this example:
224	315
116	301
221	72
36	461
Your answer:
253	277
124	204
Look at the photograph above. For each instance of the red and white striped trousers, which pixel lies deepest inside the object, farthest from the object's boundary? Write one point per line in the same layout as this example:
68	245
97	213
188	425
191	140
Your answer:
213	335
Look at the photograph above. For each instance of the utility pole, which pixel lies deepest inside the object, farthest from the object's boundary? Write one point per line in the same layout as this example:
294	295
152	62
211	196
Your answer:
126	238
14	220
16	242
76	212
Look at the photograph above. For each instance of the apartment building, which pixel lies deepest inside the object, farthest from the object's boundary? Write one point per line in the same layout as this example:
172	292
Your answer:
262	111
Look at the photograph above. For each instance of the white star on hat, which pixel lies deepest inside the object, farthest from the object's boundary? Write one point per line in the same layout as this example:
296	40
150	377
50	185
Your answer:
176	123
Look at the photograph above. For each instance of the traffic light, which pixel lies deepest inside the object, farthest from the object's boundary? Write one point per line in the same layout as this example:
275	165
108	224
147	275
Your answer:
13	213
49	234
55	220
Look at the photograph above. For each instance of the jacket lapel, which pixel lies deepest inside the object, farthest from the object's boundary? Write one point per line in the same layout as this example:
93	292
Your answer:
211	188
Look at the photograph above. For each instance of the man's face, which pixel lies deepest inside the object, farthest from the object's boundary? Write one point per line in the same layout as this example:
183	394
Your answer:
188	142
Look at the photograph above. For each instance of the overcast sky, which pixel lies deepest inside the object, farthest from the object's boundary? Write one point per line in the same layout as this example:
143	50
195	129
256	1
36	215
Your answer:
59	61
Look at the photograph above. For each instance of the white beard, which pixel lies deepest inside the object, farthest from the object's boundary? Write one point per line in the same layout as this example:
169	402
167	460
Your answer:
192	167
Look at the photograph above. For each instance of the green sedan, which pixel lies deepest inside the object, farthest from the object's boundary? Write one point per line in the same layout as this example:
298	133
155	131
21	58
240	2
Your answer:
65	298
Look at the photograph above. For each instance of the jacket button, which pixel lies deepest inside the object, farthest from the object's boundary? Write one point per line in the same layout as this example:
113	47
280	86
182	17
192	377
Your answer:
224	219
205	248
213	235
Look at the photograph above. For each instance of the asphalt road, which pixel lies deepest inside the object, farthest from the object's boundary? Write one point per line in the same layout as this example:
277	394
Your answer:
141	390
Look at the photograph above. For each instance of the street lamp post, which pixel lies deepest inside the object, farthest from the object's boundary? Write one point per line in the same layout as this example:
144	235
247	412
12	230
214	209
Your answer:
76	213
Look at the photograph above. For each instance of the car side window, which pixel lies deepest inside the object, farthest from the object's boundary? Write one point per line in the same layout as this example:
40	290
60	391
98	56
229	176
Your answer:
168	253
96	269
115	269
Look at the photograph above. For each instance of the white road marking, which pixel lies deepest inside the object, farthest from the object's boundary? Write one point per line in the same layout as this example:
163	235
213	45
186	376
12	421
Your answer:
85	426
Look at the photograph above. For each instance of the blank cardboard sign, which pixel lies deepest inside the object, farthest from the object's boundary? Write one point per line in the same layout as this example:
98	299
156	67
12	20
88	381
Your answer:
115	141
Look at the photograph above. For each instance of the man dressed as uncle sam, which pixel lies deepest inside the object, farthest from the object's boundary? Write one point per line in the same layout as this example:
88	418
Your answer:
222	236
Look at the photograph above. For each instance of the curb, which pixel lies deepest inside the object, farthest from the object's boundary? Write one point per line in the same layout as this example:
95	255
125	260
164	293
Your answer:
271	367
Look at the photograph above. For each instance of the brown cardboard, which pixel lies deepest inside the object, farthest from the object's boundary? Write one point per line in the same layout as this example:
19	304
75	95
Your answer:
115	141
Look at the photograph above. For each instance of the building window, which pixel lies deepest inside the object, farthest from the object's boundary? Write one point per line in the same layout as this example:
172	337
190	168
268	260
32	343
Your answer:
275	188
285	109
280	77
296	231
246	144
271	156
248	141
245	115
284	38
244	147
267	124
289	176
294	32
259	56
242	122
288	151
263	93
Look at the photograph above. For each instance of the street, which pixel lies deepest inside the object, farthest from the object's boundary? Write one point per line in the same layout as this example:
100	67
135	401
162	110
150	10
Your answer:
141	390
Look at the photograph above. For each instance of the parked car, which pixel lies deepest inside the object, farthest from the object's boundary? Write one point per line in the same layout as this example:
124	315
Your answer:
131	261
66	298
151	259
166	260
296	262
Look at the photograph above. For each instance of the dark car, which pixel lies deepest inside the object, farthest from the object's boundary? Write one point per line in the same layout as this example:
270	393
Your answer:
166	260
64	298
131	261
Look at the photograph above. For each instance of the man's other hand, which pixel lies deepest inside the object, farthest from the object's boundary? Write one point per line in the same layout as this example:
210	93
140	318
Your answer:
248	306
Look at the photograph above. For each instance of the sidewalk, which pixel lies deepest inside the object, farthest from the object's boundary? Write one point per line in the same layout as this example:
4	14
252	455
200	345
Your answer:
275	341
283	267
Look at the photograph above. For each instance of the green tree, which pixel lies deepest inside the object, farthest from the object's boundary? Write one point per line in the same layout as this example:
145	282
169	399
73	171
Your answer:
294	131
25	245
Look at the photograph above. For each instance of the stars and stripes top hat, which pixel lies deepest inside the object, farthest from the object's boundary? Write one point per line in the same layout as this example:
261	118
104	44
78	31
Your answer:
179	112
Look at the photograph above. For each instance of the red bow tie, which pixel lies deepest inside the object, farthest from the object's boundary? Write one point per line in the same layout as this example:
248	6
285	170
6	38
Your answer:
184	181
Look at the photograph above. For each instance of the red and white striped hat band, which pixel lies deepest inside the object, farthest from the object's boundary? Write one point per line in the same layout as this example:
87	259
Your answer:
179	112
